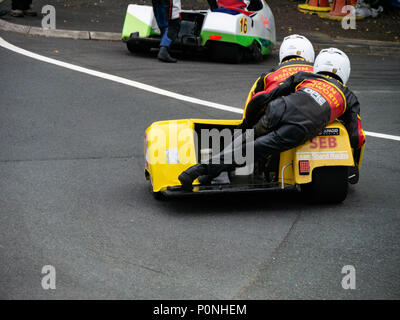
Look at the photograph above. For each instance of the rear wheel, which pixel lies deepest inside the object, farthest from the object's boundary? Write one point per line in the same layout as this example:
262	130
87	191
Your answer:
227	52
329	185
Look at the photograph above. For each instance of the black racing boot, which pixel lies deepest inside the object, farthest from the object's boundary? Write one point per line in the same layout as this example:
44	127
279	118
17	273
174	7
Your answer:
164	56
188	176
209	170
206	179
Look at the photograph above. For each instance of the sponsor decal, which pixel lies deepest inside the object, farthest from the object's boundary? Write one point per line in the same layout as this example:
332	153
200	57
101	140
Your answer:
264	20
323	155
330	132
315	95
323	143
285	72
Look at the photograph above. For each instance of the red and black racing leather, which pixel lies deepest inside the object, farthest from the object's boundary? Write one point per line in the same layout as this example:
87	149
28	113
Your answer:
268	82
330	92
317	98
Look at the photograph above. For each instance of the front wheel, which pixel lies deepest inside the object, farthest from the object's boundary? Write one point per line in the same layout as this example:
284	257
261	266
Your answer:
329	185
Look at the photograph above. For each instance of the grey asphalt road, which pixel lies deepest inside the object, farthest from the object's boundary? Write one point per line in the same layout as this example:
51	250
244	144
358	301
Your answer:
73	193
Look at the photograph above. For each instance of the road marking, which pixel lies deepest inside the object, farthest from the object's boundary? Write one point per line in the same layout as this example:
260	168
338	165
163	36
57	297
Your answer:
382	135
145	87
121	80
360	91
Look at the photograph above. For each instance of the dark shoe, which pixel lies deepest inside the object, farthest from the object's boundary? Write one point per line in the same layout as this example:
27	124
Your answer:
164	56
209	171
3	12
206	179
30	13
188	176
16	13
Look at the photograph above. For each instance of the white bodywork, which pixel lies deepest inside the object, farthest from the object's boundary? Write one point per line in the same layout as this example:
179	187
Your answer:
144	14
244	28
230	24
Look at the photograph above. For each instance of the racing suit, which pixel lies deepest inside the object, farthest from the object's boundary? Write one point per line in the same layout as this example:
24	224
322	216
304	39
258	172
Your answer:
294	112
298	109
269	81
167	14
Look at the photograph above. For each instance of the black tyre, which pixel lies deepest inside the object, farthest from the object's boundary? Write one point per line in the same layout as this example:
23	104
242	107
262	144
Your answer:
256	54
329	185
137	48
158	196
226	52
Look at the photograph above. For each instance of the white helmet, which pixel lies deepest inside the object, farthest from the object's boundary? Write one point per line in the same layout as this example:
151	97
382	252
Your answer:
334	61
296	45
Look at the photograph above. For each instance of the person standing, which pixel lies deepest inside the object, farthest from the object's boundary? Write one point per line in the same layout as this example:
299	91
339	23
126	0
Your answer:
20	8
3	12
167	14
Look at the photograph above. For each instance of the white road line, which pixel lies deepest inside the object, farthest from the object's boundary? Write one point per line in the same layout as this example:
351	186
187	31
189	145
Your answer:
359	91
121	80
145	87
382	135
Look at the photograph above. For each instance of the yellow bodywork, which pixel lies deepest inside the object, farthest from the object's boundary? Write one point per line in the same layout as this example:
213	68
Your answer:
321	151
166	141
170	149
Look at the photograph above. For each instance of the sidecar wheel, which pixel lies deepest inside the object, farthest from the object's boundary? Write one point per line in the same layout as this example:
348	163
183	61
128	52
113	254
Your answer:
329	185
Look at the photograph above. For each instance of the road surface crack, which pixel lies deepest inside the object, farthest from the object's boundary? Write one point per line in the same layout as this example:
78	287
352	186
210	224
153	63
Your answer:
269	261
